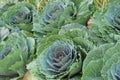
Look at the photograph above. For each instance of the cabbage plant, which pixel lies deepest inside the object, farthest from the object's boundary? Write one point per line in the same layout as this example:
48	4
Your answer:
61	56
19	15
55	14
102	63
15	53
101	33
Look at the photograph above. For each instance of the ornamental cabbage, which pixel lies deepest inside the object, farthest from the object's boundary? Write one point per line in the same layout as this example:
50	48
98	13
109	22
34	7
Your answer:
15	53
103	65
55	14
19	15
101	33
61	56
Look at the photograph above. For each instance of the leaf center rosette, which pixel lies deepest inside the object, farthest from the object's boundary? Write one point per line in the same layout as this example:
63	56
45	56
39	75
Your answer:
52	12
57	59
21	16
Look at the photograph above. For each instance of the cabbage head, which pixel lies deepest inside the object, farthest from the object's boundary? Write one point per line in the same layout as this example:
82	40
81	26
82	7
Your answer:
15	53
103	63
55	14
100	32
19	15
61	56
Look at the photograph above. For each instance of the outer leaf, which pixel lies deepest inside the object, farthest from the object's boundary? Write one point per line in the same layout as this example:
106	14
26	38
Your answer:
111	57
72	26
94	63
92	71
96	53
84	13
107	69
111	51
4	32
